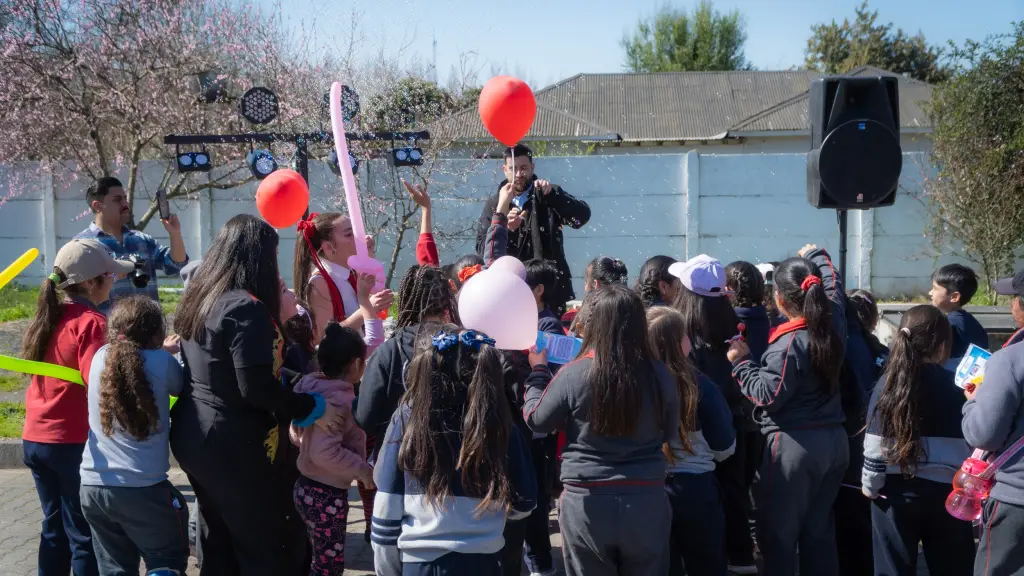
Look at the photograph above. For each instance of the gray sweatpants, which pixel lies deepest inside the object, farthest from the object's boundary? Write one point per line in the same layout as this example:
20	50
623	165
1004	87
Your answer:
618	530
799	478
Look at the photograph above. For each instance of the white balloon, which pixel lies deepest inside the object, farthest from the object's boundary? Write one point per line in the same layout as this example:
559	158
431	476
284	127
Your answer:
509	264
501	305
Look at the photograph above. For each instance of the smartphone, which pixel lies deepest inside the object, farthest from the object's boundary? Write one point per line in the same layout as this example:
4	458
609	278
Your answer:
162	204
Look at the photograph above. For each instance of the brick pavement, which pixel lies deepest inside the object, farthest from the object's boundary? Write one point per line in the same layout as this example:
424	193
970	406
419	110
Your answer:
20	515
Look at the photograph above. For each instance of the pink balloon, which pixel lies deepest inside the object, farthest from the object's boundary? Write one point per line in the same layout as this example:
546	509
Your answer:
501	305
361	262
509	264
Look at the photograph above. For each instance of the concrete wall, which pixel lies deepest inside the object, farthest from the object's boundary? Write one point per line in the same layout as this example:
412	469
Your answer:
731	206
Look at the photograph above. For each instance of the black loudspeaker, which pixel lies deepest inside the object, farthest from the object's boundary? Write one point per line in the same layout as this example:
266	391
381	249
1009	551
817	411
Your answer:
855	158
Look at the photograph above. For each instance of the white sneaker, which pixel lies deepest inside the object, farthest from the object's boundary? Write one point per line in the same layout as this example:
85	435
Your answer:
746	569
551	572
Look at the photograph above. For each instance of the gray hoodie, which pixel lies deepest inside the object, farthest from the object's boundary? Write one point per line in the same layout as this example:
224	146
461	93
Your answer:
994	419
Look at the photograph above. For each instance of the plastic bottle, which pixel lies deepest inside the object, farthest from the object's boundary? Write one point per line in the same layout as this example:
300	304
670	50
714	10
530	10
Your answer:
970	490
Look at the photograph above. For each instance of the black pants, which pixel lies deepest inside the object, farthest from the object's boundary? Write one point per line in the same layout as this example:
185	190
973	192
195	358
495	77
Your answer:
913	511
455	564
538	538
236	487
511	556
698	525
735	477
853	533
999	550
65	540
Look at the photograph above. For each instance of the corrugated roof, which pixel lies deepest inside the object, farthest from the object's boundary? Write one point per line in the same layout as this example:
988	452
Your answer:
678	106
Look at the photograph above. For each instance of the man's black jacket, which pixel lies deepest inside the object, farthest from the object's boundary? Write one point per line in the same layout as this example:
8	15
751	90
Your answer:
545	216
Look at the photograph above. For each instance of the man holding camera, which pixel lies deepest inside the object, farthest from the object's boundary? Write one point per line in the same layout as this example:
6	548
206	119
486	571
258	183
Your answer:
107	200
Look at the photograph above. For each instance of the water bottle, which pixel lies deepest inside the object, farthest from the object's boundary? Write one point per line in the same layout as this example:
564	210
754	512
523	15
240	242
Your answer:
560	349
970	490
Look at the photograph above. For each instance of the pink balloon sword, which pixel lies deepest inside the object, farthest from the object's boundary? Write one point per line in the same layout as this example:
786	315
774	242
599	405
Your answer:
362	262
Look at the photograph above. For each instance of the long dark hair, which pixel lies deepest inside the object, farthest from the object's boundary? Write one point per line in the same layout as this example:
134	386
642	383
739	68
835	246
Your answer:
666	332
457	392
243	257
48	312
652	273
298	330
323	227
746	283
710	320
826	348
924	336
616	333
136	324
862	304
425	292
604	270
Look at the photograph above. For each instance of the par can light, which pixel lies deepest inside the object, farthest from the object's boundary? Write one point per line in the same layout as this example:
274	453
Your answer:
261	163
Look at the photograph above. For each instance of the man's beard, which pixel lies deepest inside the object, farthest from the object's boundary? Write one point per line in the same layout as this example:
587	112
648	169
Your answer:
521	186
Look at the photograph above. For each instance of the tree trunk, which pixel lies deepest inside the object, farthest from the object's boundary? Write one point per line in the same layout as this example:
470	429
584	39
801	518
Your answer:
396	251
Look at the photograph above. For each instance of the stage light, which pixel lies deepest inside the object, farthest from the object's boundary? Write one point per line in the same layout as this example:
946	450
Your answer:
332	161
407	157
259	105
349	105
194	161
261	163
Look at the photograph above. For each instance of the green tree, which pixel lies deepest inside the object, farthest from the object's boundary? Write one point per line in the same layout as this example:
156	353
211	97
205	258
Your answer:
409	102
838	48
978	148
676	41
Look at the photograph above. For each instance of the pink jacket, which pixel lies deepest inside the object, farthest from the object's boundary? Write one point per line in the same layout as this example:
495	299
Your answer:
338	458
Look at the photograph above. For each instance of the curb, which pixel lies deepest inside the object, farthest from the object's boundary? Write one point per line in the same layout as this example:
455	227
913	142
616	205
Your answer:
12	455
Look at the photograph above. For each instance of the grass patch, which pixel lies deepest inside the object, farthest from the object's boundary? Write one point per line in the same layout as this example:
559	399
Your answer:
12	419
169	301
13	383
17	302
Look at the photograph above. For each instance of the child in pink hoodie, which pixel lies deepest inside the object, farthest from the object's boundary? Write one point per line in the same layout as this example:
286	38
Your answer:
330	461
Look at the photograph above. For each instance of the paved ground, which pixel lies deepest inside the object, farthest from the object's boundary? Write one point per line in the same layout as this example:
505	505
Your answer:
20	516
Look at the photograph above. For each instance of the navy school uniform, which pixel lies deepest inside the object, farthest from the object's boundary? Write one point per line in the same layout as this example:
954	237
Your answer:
806	452
913	509
412	536
698	521
966	331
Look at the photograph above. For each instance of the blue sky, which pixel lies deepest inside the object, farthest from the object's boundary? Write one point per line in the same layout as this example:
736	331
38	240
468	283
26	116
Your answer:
545	41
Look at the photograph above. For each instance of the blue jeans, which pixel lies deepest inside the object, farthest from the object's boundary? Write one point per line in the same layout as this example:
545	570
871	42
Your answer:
129	524
65	543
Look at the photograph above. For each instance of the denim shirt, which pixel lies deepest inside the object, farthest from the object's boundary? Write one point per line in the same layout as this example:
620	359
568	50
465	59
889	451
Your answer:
143	246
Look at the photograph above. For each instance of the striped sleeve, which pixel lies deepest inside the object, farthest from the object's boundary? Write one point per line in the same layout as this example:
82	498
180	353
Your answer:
389	503
872	476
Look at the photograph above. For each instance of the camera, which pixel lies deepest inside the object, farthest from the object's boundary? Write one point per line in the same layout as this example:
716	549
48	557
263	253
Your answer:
139	276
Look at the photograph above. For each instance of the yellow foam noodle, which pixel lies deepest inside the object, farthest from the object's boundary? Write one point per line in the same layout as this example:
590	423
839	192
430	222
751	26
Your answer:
23	366
18	266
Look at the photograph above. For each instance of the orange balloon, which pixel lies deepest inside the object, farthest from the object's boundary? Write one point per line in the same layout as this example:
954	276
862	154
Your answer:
282	198
507	109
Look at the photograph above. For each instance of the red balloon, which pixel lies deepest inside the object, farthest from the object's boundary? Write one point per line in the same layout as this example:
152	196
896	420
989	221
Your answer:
282	198
507	109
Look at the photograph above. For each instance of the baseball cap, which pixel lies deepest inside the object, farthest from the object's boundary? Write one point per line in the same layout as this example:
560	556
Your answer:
1011	286
702	275
86	258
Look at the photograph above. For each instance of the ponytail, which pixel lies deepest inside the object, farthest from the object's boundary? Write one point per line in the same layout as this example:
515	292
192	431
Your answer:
798	281
310	238
604	271
126	395
924	336
48	312
486	431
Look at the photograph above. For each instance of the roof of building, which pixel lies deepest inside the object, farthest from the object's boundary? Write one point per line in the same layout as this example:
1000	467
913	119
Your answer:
673	106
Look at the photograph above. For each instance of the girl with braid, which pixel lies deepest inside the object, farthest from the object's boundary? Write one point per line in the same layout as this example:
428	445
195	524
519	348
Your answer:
424	295
655	285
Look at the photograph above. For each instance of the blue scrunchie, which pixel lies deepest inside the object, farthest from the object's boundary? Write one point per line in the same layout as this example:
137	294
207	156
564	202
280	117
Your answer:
470	338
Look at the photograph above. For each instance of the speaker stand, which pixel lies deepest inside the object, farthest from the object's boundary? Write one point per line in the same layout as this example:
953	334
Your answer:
841	216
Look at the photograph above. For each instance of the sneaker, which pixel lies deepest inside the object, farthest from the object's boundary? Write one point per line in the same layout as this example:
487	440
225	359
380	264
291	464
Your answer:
742	569
551	572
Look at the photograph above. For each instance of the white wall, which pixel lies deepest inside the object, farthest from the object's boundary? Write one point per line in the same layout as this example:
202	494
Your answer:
731	206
